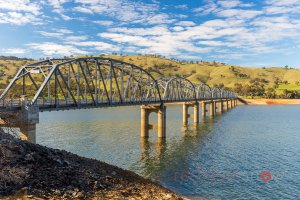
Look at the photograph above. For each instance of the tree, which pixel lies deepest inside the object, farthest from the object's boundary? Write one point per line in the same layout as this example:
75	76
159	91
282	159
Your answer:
270	94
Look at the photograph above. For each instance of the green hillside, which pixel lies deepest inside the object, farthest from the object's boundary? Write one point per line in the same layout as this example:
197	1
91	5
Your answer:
244	80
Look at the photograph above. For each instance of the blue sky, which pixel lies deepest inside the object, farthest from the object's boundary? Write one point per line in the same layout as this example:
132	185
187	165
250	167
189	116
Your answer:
241	32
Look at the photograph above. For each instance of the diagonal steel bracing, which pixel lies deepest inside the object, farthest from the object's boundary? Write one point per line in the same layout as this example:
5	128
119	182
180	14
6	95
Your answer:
95	82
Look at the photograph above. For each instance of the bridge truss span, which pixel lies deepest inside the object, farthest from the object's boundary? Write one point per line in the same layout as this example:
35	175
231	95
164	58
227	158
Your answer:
176	89
99	82
84	82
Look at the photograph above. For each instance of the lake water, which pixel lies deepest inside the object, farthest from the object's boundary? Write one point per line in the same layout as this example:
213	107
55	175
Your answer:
250	152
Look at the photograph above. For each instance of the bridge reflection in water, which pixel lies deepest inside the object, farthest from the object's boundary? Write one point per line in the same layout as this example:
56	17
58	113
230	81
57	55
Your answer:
81	83
157	156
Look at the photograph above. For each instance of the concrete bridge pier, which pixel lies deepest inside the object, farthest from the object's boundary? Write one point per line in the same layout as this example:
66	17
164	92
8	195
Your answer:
186	115
216	106
212	109
196	113
226	105
161	121
221	106
204	111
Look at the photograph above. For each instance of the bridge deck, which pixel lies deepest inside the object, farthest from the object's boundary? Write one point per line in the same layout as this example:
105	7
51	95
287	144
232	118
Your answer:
88	104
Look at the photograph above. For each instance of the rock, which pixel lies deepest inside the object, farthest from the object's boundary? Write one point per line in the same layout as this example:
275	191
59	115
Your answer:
67	163
44	173
59	161
29	157
57	192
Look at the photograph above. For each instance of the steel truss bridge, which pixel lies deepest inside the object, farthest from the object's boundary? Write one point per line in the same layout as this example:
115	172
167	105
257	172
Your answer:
58	84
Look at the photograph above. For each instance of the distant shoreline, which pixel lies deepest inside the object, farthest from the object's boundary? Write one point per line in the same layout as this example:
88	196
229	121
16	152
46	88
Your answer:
273	101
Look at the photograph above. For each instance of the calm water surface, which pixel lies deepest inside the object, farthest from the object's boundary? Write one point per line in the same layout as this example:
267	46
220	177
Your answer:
222	158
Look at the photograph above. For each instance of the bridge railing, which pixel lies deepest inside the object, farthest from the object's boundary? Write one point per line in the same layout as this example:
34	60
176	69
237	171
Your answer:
10	103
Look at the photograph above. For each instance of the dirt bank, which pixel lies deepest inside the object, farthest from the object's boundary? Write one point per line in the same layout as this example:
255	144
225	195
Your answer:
35	172
272	101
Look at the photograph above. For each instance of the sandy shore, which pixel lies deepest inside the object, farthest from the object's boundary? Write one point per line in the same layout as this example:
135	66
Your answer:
272	101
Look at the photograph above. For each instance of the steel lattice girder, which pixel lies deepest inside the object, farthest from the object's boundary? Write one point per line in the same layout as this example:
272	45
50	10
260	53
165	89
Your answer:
176	89
99	81
203	91
87	81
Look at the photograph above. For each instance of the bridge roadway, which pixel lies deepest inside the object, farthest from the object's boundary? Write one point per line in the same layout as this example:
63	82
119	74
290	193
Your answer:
95	82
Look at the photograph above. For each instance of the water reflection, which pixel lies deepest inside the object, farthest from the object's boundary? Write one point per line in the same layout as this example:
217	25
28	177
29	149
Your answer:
221	158
157	156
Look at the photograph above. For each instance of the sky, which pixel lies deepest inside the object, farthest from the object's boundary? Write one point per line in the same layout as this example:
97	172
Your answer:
264	33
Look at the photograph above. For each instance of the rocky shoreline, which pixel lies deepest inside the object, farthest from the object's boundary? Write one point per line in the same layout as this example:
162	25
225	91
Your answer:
29	171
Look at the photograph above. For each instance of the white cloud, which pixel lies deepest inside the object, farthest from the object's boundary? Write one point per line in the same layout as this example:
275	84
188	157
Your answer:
96	45
53	49
75	38
239	13
228	8
282	6
66	17
59	9
178	28
20	6
213	43
13	51
58	4
159	19
104	22
229	3
63	34
51	34
19	12
124	10
83	10
155	31
185	23
182	6
233	3
157	39
63	30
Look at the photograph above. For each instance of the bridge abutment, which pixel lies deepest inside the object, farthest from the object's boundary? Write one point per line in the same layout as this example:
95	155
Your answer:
161	121
29	117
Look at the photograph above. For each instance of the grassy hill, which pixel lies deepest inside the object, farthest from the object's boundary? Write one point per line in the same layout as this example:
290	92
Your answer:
212	73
